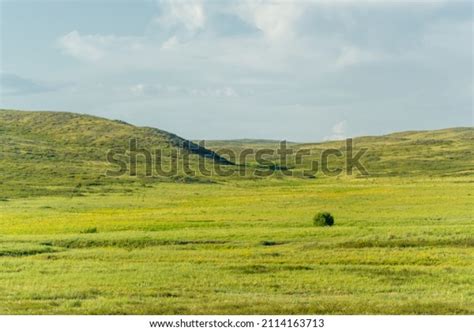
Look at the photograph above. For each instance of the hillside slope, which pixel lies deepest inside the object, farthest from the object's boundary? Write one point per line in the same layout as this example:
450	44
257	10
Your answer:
56	152
446	152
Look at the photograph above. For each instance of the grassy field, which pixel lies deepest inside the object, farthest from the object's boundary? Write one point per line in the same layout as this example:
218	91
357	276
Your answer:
399	246
75	241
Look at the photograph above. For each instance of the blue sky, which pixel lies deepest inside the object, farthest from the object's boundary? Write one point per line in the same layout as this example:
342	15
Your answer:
296	70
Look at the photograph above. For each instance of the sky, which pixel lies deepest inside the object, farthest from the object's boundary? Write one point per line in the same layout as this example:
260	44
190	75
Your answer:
297	70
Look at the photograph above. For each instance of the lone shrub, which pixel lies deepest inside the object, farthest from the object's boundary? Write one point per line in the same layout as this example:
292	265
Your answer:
323	219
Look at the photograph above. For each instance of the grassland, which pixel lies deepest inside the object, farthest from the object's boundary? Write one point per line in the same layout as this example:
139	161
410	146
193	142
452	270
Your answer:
398	247
403	242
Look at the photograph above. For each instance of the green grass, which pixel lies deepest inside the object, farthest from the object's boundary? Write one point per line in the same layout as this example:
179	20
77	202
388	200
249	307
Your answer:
398	247
74	241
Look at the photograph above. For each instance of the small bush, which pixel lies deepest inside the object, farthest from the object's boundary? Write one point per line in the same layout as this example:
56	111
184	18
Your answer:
270	243
323	219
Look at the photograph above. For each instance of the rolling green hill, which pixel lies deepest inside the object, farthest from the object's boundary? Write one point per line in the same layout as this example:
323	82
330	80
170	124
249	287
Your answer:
245	143
446	152
62	153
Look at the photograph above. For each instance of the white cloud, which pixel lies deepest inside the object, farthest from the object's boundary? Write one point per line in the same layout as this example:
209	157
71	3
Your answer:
186	13
338	131
276	19
339	128
137	90
218	92
79	47
282	49
150	90
170	43
92	48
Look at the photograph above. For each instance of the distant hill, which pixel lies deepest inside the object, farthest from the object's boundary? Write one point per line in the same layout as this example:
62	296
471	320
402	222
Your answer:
245	143
65	153
239	145
446	152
